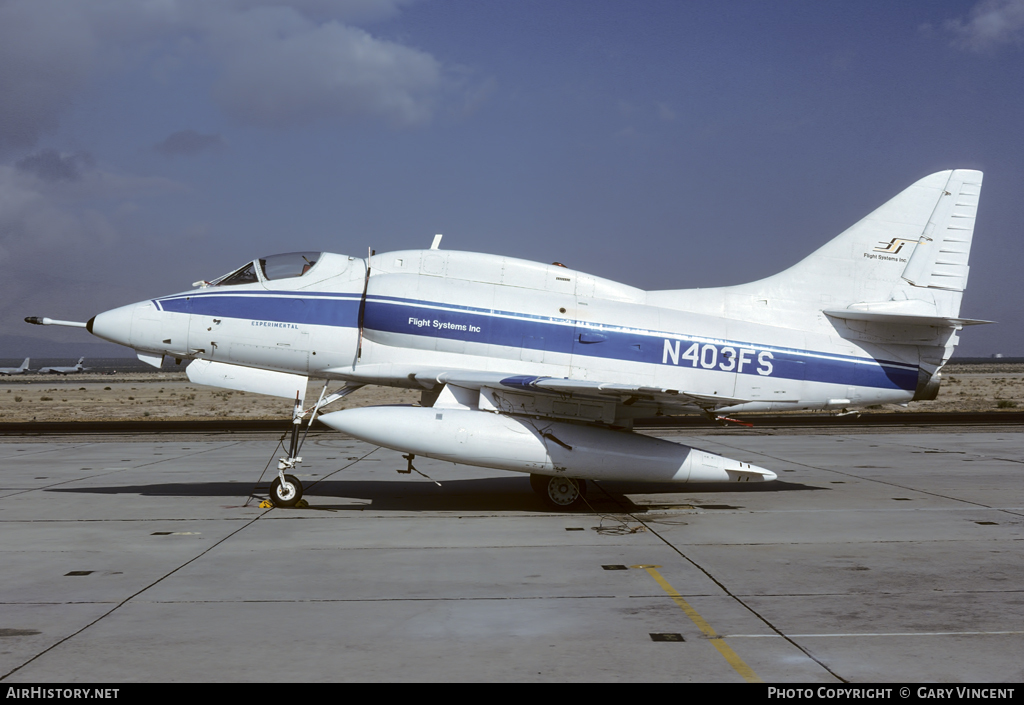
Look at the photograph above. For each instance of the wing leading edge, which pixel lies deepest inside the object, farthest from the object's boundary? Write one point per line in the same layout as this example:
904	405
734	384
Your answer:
626	395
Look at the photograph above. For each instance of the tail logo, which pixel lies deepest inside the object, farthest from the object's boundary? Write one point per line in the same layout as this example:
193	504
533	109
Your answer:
893	246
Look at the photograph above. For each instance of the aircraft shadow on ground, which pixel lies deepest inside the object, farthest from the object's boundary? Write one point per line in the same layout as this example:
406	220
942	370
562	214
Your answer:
485	494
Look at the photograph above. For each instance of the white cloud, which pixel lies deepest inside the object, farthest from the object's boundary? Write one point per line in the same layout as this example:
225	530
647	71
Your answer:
279	69
92	209
991	24
269	62
349	11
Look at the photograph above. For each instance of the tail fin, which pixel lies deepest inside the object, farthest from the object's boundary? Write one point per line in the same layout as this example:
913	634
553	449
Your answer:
24	365
908	257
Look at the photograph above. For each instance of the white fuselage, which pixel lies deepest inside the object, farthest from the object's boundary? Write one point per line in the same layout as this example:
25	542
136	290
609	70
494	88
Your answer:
467	311
543	369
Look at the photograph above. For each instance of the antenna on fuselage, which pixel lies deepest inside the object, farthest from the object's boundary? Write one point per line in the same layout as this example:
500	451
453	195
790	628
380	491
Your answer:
436	245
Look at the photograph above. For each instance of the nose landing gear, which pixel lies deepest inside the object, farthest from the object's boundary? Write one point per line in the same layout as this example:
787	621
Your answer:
286	490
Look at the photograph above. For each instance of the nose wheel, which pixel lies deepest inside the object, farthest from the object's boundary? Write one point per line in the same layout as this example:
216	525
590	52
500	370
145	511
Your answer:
559	492
286	493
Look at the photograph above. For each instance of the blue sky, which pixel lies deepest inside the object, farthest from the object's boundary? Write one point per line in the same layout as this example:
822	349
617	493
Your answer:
145	144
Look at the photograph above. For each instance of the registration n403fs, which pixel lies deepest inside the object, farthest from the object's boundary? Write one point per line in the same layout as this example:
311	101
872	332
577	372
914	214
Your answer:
541	369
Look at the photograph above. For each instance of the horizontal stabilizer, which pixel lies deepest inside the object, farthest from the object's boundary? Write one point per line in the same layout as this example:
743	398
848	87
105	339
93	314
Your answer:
904	319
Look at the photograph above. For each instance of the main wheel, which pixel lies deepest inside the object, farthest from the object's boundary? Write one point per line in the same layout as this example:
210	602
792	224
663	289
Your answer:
286	494
564	492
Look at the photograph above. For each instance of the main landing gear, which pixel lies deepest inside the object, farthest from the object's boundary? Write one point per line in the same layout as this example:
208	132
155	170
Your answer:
560	492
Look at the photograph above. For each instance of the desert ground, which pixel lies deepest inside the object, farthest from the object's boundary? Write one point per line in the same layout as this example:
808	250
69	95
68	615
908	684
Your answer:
170	396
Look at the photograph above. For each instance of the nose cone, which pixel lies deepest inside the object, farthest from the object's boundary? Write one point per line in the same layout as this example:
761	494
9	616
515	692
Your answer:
114	325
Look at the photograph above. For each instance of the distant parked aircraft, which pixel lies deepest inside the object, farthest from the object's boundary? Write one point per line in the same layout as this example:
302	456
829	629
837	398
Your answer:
64	370
15	370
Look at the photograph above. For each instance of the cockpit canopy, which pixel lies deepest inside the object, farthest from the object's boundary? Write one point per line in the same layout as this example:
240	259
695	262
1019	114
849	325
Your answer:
284	266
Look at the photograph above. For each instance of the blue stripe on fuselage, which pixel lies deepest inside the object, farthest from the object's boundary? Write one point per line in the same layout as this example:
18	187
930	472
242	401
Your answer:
411	317
314	309
557	335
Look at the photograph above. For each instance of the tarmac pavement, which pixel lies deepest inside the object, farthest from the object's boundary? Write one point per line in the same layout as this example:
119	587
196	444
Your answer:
876	557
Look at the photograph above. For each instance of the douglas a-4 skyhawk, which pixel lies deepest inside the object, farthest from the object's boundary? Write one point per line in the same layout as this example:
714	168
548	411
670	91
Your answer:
541	369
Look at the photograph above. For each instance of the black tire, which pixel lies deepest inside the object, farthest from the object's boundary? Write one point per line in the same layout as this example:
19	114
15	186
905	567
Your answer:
287	495
564	493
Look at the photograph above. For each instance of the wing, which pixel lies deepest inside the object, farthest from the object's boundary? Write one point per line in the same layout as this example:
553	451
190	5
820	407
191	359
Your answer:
566	398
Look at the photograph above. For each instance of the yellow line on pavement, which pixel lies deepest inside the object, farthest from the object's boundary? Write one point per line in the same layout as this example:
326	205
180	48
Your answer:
719	643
